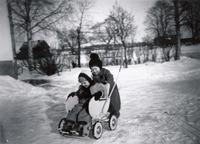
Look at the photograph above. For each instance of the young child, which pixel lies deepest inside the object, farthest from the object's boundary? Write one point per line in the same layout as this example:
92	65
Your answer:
79	115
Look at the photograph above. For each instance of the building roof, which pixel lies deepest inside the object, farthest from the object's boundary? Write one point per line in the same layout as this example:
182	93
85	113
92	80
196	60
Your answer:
40	49
35	44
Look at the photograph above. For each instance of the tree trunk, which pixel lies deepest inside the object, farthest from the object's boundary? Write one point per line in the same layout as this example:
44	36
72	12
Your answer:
12	37
178	46
177	23
79	48
193	37
196	30
164	39
124	45
192	27
11	29
30	50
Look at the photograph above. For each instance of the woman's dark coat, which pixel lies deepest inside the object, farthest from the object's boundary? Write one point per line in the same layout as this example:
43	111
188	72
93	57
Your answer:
106	76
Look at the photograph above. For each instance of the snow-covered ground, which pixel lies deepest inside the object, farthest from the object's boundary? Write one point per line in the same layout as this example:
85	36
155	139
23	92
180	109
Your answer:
160	105
190	49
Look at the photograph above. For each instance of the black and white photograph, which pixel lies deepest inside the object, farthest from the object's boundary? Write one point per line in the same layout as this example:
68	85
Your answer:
99	71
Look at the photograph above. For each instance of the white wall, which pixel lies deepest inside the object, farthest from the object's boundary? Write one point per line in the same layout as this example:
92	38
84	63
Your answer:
5	37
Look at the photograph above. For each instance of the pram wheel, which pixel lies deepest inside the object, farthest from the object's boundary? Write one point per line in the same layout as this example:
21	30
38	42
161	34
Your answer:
113	122
60	125
97	130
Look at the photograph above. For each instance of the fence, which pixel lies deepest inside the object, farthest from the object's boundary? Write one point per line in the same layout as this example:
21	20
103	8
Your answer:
137	55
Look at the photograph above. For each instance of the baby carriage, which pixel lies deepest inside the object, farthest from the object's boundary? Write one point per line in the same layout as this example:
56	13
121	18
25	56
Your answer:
97	110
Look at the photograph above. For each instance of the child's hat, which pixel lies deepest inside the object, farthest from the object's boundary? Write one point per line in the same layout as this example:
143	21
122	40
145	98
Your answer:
95	61
87	75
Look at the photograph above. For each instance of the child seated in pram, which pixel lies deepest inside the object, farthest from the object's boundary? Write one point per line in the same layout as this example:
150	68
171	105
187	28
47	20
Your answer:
79	115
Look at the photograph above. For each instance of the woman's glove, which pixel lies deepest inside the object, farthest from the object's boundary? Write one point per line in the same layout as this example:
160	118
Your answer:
72	94
104	82
97	95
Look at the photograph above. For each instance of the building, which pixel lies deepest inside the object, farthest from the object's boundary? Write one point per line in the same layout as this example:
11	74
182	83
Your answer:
7	62
40	50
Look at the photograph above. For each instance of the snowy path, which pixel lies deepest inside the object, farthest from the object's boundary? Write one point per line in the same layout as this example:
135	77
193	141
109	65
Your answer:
160	104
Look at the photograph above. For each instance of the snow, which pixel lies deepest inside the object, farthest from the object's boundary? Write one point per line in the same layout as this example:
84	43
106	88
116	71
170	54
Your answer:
160	104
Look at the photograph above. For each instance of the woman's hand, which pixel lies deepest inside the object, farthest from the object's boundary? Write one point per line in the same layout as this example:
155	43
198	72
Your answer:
72	94
97	95
104	82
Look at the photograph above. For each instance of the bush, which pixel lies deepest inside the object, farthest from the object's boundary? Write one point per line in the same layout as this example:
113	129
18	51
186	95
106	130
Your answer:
46	65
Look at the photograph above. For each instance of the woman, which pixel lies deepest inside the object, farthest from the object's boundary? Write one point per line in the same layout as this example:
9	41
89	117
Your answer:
102	75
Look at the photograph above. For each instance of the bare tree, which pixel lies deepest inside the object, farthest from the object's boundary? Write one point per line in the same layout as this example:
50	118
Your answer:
159	19
100	34
67	38
193	19
33	16
147	39
152	21
180	15
105	32
124	26
79	20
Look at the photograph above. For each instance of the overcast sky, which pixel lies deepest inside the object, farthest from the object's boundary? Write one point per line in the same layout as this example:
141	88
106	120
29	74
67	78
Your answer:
138	8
